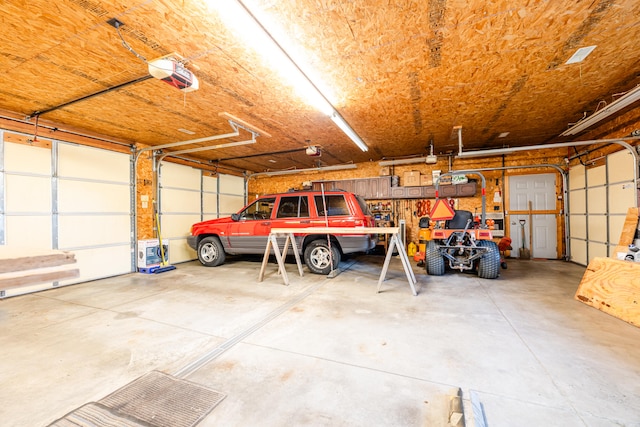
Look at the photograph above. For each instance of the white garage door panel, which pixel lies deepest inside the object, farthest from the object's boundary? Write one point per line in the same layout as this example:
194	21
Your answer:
25	158
101	262
210	216
32	231
616	224
181	208
610	193
83	196
579	251
92	163
621	198
77	231
597	228
180	176
180	200
596	176
210	203
179	251
231	184
94	201
210	184
177	225
577	202
597	200
23	290
28	194
578	226
230	204
597	250
620	166
576	177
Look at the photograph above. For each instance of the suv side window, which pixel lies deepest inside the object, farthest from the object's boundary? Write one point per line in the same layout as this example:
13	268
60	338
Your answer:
260	209
335	205
293	207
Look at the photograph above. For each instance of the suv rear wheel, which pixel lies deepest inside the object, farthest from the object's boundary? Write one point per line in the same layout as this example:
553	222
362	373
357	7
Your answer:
210	251
316	256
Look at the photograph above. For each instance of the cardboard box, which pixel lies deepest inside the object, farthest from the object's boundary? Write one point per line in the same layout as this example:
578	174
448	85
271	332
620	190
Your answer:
425	180
385	171
149	253
411	179
445	180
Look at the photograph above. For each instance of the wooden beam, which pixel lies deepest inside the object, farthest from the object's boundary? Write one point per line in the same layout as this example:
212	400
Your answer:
19	259
26	266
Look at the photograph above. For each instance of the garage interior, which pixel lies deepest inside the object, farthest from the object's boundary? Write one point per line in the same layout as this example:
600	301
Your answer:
532	105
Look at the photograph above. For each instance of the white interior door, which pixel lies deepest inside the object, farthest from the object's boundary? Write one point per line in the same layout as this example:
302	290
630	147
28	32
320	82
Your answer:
540	189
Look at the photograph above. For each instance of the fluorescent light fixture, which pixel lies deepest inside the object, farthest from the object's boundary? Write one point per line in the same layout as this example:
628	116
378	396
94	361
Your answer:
427	159
580	55
503	135
344	126
187	131
629	98
293	171
252	29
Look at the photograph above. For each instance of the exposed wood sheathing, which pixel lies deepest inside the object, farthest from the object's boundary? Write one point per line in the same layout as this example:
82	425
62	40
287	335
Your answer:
401	72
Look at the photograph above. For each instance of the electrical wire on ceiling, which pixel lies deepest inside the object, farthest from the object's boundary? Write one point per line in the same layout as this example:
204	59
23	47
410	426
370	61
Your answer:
117	24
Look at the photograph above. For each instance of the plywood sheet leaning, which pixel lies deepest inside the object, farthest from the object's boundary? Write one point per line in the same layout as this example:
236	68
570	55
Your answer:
628	231
612	286
25	267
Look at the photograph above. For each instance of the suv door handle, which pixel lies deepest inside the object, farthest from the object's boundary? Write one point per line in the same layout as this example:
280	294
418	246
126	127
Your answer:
266	223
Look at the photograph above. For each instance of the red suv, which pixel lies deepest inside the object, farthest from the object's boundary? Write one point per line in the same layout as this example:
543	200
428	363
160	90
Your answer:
246	232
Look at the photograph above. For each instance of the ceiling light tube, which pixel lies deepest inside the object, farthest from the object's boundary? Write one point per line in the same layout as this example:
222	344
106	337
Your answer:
263	41
403	161
292	171
617	105
344	126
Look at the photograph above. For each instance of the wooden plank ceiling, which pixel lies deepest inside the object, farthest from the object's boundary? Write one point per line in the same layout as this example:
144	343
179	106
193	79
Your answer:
401	72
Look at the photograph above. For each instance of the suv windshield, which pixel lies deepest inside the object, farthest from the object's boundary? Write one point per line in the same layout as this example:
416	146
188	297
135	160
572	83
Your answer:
260	209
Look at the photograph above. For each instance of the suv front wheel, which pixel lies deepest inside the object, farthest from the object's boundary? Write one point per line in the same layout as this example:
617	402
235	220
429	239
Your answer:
211	252
316	256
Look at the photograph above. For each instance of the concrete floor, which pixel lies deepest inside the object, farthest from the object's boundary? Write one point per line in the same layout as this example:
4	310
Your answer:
329	352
